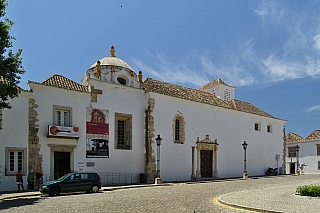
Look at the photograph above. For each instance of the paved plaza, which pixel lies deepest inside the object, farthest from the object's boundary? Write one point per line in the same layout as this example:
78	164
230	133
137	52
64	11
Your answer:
268	194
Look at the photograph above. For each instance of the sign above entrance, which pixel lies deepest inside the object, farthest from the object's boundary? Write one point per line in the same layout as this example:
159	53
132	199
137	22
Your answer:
63	131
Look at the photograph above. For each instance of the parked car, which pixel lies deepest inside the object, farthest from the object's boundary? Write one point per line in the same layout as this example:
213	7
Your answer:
73	182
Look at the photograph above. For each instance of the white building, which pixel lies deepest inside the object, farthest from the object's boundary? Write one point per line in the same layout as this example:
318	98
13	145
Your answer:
303	154
109	122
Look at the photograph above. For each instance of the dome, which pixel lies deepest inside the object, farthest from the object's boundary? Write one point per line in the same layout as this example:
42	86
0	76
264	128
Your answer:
112	61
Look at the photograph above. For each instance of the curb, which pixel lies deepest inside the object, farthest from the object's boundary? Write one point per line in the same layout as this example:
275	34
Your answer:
244	207
113	188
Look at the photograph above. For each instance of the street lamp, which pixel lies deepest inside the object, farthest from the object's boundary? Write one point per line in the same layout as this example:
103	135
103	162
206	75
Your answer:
297	150
158	140
245	174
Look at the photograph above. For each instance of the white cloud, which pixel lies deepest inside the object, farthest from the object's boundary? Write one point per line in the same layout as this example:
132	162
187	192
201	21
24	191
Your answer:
286	47
270	11
195	70
314	108
316	39
173	72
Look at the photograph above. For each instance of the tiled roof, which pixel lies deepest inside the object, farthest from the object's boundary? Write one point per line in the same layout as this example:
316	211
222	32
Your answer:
313	136
216	82
247	107
63	82
177	91
293	138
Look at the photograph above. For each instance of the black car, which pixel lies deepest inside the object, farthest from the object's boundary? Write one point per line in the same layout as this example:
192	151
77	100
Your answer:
73	182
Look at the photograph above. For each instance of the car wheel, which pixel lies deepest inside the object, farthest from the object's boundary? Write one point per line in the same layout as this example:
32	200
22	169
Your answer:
94	188
54	191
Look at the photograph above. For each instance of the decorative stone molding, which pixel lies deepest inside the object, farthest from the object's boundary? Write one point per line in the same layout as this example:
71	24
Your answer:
94	94
207	144
61	148
182	124
150	160
34	157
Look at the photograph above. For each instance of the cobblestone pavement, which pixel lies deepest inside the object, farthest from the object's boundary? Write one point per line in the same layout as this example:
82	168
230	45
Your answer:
191	197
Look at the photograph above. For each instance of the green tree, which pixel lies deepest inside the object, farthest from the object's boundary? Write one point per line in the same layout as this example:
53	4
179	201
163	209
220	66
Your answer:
10	62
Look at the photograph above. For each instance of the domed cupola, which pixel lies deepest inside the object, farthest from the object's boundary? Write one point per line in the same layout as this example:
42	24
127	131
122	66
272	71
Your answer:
113	70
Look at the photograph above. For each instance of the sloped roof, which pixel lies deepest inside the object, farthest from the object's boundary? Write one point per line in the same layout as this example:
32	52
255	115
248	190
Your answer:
152	85
313	136
293	138
63	82
213	83
247	107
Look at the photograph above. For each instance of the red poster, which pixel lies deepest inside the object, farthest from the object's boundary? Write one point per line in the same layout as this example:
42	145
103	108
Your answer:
97	128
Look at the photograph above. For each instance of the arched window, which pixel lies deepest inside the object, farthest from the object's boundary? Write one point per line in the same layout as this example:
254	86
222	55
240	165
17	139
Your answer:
178	128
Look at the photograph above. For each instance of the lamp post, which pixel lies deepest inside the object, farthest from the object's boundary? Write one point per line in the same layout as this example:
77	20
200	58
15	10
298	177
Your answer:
158	140
297	150
245	174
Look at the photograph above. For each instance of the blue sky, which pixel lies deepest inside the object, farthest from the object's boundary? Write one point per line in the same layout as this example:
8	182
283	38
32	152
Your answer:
268	50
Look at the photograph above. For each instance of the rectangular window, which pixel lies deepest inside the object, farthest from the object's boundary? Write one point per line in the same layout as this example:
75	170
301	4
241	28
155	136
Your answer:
257	126
292	151
318	149
123	131
62	115
318	165
15	160
269	128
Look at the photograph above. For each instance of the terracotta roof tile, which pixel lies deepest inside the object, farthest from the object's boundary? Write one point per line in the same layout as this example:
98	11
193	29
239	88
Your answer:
177	91
293	138
63	82
314	136
247	107
216	82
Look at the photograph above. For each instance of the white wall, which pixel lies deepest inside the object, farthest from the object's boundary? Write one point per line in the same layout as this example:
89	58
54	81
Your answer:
115	98
307	155
14	134
229	127
122	99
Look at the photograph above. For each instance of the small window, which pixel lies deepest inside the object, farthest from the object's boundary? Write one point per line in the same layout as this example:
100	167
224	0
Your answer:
178	129
122	81
62	116
269	128
318	165
257	126
318	149
226	95
15	160
292	151
123	131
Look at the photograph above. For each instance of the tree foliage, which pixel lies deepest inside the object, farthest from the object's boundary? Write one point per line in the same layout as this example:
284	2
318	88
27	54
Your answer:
10	62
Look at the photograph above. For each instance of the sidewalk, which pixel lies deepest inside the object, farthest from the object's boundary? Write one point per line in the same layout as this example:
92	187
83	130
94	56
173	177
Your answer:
270	199
14	194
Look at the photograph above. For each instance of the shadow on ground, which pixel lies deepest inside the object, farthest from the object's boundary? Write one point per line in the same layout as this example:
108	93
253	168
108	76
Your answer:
16	202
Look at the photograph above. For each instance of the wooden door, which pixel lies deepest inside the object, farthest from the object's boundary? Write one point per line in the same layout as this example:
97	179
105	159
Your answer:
206	163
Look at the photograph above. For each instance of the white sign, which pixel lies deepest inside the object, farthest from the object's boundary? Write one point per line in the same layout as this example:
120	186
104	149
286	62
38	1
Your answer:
63	131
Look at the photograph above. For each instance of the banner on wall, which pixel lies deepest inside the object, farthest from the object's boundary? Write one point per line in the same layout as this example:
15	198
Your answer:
97	133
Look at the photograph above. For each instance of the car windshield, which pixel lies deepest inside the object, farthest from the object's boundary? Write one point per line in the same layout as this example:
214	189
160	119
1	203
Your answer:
63	177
